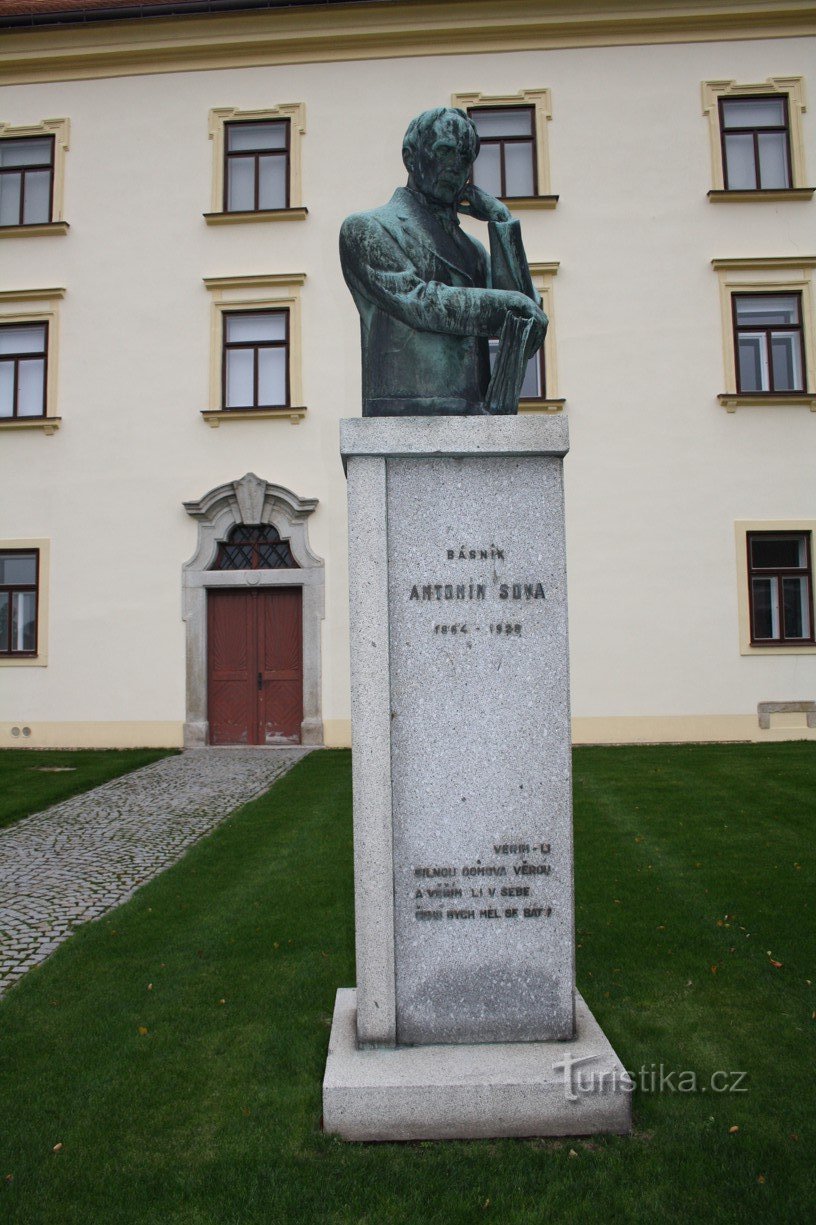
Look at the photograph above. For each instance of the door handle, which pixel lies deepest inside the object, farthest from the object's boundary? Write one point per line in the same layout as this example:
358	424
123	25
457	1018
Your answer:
260	680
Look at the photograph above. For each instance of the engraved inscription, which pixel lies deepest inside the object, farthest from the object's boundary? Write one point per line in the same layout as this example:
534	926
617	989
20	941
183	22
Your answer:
488	884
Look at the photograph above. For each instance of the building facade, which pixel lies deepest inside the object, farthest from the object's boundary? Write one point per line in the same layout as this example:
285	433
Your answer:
177	347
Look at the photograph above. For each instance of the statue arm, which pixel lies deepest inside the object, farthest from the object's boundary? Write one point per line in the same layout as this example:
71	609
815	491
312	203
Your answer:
377	268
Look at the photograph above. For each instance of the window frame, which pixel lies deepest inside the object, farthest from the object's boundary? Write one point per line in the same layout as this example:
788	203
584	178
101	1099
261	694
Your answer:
39	657
543	275
501	141
58	131
757	276
255	155
11	589
541	103
779	573
261	294
228	346
15	311
768	330
33	168
16	358
792	89
755	133
294	113
743	529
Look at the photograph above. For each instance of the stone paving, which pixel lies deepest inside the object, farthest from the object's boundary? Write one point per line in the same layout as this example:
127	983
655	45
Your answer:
77	860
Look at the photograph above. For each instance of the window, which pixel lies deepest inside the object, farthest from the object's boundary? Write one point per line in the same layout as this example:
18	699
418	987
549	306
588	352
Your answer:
32	172
534	385
513	162
256	359
779	572
768	342
757	146
26	180
257	164
23	360
254	547
505	166
256	174
19	571
767	331
255	364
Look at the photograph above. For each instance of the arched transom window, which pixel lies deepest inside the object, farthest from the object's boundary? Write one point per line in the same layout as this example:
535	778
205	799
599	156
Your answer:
254	547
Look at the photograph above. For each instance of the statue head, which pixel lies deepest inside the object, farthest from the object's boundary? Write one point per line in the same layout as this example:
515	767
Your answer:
438	150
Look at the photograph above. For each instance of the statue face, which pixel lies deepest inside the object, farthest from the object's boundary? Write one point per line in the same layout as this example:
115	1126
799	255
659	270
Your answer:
443	160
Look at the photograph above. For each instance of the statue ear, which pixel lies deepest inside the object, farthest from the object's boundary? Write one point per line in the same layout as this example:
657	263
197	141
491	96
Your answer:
408	158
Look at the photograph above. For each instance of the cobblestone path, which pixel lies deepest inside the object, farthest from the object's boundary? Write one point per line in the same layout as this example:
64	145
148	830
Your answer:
77	860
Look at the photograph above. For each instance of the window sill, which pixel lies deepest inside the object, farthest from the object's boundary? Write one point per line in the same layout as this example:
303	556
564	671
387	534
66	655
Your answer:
519	203
761	194
23	661
776	648
38	230
46	424
731	401
542	406
270	214
214	416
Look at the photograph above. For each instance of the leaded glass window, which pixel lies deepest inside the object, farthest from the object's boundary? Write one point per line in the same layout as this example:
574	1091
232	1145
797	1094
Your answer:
254	547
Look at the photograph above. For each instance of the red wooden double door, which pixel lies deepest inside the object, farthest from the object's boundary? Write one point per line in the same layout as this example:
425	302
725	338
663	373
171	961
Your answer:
255	666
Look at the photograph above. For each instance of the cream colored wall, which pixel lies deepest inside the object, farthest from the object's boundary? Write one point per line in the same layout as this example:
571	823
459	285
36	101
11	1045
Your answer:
658	472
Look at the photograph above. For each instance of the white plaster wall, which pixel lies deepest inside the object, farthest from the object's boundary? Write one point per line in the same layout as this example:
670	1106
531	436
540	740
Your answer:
658	470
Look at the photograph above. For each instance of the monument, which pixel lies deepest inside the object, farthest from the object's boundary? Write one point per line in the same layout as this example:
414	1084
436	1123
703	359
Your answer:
465	1021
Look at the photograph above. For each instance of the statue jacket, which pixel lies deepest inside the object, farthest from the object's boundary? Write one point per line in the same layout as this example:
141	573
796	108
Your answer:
427	307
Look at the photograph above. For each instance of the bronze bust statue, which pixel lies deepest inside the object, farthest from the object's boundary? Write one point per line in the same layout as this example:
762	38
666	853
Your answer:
430	296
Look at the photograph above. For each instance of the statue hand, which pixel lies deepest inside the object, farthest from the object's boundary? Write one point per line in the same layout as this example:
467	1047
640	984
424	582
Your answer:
522	306
484	207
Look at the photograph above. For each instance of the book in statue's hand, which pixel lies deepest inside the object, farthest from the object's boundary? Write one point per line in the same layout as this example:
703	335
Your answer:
506	380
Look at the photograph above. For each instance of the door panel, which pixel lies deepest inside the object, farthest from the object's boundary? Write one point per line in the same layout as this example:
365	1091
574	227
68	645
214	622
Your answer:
280	661
255	666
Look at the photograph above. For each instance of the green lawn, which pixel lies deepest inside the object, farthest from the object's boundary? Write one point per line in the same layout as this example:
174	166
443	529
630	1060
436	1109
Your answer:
33	779
175	1050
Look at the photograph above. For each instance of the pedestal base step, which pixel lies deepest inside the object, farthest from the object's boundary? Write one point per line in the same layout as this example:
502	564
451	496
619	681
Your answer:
576	1088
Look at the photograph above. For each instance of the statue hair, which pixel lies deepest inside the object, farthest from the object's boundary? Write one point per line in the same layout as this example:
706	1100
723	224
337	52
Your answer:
420	127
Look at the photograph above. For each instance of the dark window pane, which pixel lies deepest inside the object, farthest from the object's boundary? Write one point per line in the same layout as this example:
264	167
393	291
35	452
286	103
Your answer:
753	363
23	621
773	160
5	600
256	328
18	569
767	310
796	611
778	552
241	184
753	112
740	173
37	207
487	169
531	385
765	608
518	169
503	121
10	189
786	360
256	136
23	338
272	182
6	389
25	152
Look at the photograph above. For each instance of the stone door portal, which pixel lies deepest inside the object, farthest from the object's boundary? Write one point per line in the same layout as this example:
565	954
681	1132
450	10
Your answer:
255	666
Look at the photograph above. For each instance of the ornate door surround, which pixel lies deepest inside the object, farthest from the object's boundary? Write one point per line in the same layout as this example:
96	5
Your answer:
251	500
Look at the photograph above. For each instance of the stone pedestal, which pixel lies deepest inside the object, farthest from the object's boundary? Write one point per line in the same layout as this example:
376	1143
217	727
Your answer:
462	793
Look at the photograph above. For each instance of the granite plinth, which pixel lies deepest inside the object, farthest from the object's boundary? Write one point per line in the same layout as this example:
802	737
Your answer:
460	730
464	1092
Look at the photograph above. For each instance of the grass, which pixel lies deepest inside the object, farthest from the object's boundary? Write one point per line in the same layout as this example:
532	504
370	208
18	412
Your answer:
175	1050
33	779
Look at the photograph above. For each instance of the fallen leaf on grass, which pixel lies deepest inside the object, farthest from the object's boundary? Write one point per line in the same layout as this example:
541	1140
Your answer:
57	1147
777	964
714	969
150	986
732	1131
246	1112
573	1153
143	1030
9	1178
222	1001
760	1178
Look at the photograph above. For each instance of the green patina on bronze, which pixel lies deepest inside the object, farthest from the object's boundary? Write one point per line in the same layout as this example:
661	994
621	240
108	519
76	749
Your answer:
429	295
